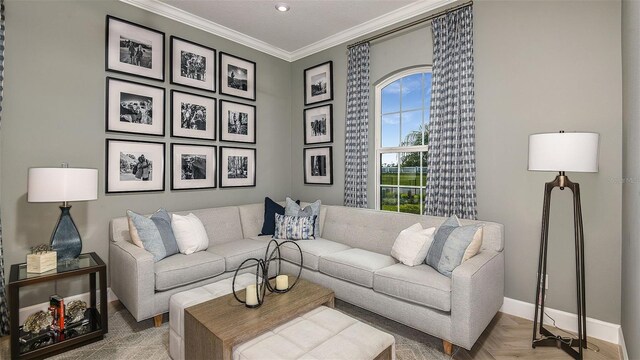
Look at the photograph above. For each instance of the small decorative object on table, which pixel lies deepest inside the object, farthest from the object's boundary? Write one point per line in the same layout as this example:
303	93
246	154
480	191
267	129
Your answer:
255	293
41	259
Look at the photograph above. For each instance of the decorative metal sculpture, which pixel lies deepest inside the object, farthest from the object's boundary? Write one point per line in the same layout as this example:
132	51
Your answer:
37	322
262	272
75	310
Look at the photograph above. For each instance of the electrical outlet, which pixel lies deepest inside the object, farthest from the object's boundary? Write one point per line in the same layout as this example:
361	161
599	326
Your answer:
546	281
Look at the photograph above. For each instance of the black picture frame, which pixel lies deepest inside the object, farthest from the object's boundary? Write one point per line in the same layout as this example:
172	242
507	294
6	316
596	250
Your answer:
197	53
318	83
223	167
318	125
199	105
235	87
127	107
228	135
323	174
140	40
119	171
201	166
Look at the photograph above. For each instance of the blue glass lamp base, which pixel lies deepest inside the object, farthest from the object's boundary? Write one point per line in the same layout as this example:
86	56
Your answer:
65	239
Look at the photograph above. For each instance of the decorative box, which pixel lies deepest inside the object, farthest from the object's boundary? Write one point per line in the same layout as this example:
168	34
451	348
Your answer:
42	262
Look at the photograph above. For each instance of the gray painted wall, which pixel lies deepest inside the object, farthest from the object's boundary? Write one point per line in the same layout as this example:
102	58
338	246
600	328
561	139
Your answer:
631	175
540	67
54	107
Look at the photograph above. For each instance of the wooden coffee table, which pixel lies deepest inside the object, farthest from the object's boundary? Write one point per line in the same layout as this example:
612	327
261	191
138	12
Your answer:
214	327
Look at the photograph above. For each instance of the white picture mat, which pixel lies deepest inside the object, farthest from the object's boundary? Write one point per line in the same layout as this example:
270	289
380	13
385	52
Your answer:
156	156
208	151
225	60
309	115
307	165
116	87
309	74
176	116
129	31
251	166
210	80
224	122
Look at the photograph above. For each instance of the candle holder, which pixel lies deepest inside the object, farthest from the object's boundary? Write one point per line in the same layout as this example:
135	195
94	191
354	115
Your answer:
263	282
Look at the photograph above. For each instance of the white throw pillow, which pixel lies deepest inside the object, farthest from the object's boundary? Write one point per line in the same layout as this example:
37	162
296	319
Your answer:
190	233
412	244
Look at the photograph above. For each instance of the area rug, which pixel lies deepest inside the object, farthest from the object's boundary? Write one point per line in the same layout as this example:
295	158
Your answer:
128	339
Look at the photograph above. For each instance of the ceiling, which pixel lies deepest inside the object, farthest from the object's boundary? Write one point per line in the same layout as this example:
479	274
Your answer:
308	27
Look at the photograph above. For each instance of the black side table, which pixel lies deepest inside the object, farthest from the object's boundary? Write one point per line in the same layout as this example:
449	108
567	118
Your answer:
46	343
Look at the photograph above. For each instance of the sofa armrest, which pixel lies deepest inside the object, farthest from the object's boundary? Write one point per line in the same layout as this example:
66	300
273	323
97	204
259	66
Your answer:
477	293
132	274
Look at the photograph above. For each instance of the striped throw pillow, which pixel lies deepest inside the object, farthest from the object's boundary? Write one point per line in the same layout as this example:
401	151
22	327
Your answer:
153	234
295	227
453	244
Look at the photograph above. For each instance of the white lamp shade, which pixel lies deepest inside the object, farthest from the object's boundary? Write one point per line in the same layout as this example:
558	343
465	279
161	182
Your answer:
571	152
62	184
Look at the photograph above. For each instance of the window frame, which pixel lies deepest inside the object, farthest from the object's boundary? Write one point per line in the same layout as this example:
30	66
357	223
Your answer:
379	149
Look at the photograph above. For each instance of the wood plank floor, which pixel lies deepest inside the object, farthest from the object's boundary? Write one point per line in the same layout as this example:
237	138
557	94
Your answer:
509	337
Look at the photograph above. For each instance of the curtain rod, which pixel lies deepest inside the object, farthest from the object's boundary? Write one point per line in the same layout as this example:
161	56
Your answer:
409	25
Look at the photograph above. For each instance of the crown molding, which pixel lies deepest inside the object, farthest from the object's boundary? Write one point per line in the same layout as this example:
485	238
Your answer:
197	22
396	16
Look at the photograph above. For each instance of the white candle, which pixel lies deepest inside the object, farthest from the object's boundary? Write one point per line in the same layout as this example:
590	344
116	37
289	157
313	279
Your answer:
282	282
251	295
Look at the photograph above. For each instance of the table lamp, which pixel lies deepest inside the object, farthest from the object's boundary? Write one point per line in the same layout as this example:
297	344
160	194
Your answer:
562	152
63	184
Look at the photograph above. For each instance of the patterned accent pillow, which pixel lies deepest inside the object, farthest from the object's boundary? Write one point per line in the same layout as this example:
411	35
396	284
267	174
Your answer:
294	209
294	227
153	234
453	244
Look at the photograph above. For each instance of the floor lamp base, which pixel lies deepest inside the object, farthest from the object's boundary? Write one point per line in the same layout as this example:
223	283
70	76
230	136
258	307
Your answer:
566	344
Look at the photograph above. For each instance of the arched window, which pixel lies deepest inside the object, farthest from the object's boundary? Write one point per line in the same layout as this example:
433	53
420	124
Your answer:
402	114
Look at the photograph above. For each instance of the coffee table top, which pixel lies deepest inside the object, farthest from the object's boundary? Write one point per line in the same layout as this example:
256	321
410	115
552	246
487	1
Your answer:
234	323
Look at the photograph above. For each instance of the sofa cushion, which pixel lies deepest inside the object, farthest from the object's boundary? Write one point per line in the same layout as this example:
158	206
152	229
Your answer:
420	284
222	224
354	265
178	270
311	251
237	251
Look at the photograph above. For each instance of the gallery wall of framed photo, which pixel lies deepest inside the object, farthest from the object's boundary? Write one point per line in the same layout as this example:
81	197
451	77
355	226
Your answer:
318	124
200	124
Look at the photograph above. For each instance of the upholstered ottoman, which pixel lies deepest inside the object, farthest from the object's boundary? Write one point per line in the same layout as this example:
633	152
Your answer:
182	300
322	333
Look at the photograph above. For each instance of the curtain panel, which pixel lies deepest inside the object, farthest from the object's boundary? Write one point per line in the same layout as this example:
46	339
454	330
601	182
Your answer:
357	127
4	314
451	164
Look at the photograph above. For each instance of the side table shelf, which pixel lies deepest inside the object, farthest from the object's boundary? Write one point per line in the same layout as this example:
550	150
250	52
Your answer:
47	343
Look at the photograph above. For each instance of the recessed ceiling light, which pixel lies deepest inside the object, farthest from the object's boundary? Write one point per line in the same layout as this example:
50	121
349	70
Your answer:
282	7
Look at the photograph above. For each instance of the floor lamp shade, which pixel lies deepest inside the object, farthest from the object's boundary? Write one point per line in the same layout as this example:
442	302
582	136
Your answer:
63	185
570	152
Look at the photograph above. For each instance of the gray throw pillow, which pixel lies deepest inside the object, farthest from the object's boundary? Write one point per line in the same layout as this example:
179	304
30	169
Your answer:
154	233
294	227
450	244
293	209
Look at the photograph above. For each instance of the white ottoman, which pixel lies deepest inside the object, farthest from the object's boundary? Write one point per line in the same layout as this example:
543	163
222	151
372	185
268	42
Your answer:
323	333
182	300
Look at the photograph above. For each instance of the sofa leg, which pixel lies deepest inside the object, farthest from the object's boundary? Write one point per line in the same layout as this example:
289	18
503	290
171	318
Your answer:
448	347
157	320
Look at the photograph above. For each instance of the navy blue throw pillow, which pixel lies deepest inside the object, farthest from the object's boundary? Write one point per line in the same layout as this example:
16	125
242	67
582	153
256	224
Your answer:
271	208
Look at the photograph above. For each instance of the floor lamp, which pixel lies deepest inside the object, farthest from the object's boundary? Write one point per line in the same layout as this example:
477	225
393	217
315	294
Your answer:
562	152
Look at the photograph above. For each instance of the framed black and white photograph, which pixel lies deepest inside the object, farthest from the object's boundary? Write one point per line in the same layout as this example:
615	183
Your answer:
134	166
193	166
133	107
193	116
237	122
237	77
237	167
318	125
318	166
134	49
318	83
192	64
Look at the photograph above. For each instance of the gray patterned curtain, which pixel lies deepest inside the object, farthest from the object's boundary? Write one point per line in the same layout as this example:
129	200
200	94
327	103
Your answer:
4	314
451	163
356	154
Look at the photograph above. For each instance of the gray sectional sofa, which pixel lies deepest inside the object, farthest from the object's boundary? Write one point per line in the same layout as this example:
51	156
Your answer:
351	256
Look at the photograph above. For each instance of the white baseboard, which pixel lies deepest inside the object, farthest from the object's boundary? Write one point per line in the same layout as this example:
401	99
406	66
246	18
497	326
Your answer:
564	320
623	351
26	311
